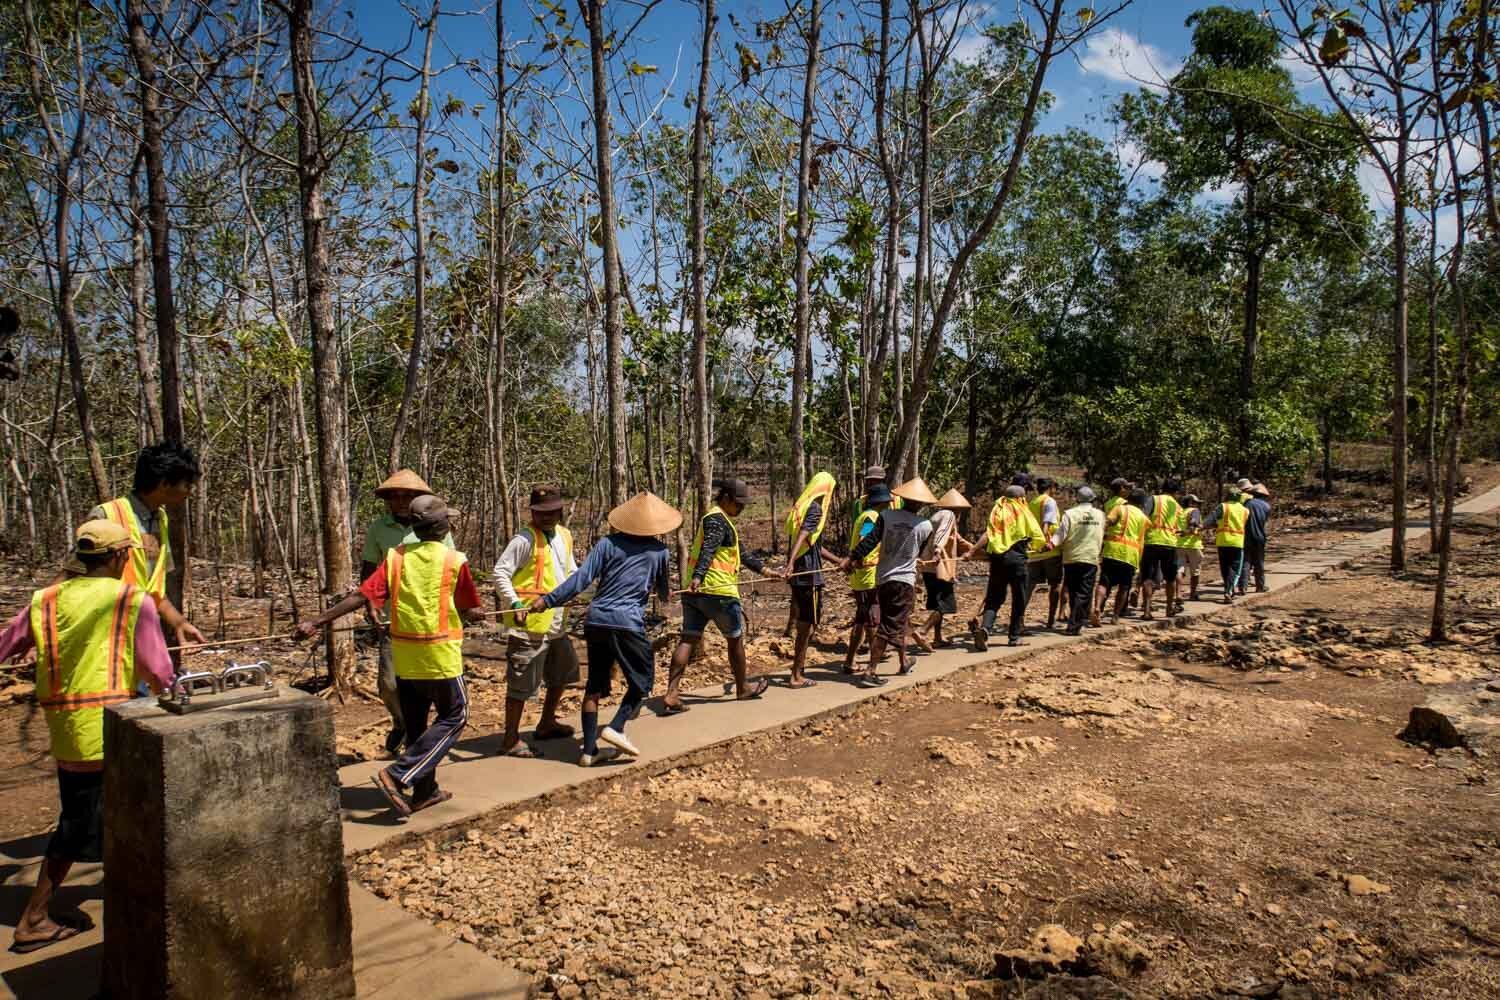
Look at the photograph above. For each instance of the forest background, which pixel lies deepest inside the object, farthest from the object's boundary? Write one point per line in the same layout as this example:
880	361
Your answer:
642	244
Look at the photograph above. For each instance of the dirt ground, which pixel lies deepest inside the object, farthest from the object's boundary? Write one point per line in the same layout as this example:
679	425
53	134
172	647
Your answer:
1215	810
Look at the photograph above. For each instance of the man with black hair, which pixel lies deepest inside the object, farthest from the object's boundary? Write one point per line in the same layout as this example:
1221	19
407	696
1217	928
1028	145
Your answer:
165	475
1159	560
1044	562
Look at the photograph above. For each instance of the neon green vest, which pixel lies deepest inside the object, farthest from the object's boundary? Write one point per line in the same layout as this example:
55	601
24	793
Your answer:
723	575
84	631
1231	527
1039	550
1011	521
1163	529
863	578
539	577
1187	538
819	488
427	634
1124	540
120	511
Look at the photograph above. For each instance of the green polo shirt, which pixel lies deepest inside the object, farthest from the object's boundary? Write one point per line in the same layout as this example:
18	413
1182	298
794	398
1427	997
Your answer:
385	533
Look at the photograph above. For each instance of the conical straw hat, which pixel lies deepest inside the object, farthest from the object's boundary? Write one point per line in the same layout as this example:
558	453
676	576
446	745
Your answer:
954	500
914	490
645	514
403	479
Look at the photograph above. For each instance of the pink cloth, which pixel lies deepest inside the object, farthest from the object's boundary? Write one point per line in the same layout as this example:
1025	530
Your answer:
153	664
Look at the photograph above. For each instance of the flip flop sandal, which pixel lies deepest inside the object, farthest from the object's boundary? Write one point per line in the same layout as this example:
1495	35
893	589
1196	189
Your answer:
76	919
437	798
63	933
392	793
806	683
521	751
669	709
872	681
757	688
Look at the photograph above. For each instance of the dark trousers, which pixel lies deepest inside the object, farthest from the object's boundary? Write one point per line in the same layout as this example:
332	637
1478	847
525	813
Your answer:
1007	572
426	746
1231	564
1080	578
1255	563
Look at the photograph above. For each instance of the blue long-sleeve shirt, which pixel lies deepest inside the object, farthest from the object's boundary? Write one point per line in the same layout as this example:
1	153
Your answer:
628	568
1255	525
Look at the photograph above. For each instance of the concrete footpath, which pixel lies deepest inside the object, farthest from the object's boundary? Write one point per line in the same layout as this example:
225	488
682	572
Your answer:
397	954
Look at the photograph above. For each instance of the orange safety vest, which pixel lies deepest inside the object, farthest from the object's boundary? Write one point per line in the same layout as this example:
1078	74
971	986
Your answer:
1010	521
427	634
120	511
539	577
819	488
84	632
1231	526
723	574
1126	538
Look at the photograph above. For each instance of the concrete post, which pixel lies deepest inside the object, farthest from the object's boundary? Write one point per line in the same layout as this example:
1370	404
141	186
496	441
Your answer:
223	853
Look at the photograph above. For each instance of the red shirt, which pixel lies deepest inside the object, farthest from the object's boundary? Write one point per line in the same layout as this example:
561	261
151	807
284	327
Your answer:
465	594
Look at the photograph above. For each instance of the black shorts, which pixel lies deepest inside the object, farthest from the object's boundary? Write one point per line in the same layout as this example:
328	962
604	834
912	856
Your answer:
1114	573
807	603
866	607
1159	563
610	646
80	829
940	595
896	600
1044	570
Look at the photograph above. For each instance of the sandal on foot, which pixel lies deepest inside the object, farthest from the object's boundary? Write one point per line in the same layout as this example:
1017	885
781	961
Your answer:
667	708
437	798
61	933
523	752
807	682
756	689
391	789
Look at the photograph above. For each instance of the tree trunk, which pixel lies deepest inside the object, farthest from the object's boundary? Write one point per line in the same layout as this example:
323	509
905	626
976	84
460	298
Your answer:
891	279
800	347
499	274
1399	351
140	330
1433	396
419	255
1328	458
614	369
1250	336
333	460
698	226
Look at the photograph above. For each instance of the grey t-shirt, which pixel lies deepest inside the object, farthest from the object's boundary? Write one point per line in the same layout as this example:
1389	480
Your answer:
900	535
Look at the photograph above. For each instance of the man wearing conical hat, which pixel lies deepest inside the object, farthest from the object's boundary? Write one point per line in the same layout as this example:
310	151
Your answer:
939	566
387	531
628	565
899	534
805	553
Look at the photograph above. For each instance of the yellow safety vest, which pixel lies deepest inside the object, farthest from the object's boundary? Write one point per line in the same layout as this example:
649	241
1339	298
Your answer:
84	631
1112	503
819	488
859	505
1163	529
539	577
722	578
863	578
427	634
1231	527
1187	538
1039	550
1124	540
120	511
1011	521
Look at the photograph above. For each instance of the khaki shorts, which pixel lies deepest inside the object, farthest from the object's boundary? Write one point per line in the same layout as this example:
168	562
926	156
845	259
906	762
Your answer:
533	663
1189	560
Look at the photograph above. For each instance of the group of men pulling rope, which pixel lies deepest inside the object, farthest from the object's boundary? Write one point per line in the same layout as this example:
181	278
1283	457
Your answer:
98	639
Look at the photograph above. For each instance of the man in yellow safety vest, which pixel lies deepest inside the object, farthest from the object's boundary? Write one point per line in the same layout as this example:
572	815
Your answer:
431	595
94	635
1010	534
1228	525
1044	561
862	573
165	475
805	522
1189	544
1159	559
538	649
1120	554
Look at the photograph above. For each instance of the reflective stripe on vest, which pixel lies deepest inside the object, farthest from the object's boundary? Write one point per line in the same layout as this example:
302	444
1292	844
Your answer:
1231	528
819	488
427	635
863	578
722	578
1187	538
1124	540
121	512
538	578
1039	550
84	631
1010	521
1163	529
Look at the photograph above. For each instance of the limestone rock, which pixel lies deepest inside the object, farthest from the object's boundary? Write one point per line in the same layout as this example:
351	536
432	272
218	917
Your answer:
1468	717
1360	885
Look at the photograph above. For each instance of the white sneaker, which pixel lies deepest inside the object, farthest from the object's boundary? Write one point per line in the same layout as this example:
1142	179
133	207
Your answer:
591	759
619	741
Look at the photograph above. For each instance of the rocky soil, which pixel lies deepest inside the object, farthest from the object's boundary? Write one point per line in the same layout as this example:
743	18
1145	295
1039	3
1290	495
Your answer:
1222	809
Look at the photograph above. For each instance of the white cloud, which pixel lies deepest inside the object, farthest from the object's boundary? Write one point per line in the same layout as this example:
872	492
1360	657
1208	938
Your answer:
1119	55
1303	75
1221	194
972	41
1134	162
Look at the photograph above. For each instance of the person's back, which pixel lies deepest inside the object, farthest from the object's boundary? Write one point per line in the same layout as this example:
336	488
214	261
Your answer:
628	568
1085	534
900	544
1258	512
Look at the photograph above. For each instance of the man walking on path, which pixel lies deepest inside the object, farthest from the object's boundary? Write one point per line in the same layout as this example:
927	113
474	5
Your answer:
538	651
862	577
94	635
874	475
1120	488
431	594
387	531
629	566
900	535
1258	511
1120	554
1079	535
1010	534
1189	544
939	565
714	594
1228	522
165	475
804	565
1044	562
1159	559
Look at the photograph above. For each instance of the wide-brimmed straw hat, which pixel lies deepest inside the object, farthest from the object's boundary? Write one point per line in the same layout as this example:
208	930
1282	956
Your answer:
953	500
914	490
403	481
645	514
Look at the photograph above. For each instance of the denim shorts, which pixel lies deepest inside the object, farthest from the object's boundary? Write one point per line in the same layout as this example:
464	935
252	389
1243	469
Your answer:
700	609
